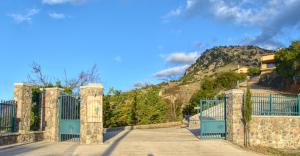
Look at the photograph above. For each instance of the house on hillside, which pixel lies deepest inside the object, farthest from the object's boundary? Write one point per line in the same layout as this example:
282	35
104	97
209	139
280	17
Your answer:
242	70
267	63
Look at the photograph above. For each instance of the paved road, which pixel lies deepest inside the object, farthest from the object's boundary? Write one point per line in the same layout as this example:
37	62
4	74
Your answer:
150	142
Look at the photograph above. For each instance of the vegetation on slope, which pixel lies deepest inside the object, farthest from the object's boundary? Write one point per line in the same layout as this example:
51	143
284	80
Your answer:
136	107
221	56
212	73
287	72
211	87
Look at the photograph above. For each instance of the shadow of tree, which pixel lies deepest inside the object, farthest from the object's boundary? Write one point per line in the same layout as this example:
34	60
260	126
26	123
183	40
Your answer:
115	143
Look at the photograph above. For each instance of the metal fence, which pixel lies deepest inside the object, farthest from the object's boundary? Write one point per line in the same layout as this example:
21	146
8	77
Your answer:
7	116
276	105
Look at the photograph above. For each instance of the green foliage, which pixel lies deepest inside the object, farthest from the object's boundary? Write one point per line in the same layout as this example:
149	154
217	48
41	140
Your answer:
288	61
287	68
133	115
247	111
247	115
68	90
34	114
58	84
253	71
134	108
210	87
151	108
228	80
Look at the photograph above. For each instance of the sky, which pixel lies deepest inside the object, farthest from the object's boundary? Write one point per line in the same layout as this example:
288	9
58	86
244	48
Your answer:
132	42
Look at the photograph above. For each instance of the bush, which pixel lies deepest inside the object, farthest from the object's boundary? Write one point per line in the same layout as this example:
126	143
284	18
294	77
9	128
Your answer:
210	87
253	71
134	108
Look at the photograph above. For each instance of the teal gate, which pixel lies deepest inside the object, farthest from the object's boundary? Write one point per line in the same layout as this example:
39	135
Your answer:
69	129
213	119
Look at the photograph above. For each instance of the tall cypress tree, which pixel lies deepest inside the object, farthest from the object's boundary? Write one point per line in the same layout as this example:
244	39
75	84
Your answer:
247	115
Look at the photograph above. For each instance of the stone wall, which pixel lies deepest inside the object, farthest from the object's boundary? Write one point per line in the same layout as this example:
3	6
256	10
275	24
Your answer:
23	98
268	131
234	124
275	131
13	138
52	113
91	124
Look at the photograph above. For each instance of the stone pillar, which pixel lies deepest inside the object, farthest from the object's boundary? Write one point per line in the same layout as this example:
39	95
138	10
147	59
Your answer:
91	124
23	98
234	116
52	113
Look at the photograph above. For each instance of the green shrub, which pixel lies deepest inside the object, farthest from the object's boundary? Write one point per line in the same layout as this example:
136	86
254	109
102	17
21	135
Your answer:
253	71
210	87
134	108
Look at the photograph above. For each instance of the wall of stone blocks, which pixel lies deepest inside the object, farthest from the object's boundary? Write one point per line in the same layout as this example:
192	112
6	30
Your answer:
13	138
23	98
275	131
91	123
268	131
52	113
234	124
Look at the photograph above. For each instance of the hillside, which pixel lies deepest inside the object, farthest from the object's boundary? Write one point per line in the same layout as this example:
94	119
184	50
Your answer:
219	57
216	64
212	61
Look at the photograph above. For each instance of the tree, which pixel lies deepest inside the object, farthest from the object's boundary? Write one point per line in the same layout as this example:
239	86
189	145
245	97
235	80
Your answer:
247	115
107	112
39	78
151	108
133	118
288	62
210	87
253	71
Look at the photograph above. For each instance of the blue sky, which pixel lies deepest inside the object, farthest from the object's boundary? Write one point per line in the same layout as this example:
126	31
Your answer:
133	42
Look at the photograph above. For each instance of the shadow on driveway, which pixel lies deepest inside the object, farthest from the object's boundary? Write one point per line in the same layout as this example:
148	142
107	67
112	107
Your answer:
195	132
22	149
115	143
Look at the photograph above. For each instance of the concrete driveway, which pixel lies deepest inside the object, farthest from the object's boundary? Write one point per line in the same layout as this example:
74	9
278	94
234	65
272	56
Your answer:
147	142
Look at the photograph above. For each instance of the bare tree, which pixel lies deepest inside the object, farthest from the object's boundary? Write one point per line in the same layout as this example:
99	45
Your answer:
37	77
84	77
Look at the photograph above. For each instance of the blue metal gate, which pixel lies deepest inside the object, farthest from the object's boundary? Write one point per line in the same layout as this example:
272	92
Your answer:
69	129
213	118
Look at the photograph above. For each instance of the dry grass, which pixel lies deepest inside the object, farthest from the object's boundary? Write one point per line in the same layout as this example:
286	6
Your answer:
273	151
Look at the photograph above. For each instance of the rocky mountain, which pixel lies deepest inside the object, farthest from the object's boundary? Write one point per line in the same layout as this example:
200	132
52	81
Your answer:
212	61
176	95
219	57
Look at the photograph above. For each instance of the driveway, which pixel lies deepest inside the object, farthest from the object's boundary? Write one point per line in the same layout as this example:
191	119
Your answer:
146	142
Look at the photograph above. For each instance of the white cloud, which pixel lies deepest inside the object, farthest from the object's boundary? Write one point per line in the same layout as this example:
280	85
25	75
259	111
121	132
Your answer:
142	84
57	2
56	15
27	17
118	59
182	57
171	72
271	17
172	13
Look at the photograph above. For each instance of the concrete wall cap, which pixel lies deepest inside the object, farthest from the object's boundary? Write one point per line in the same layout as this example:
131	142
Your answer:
93	85
235	91
23	84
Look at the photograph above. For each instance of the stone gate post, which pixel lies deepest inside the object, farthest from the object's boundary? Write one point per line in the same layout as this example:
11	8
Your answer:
52	113
234	116
23	98
91	124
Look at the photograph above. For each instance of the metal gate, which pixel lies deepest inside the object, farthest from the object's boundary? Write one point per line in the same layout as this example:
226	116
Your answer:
69	129
213	118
